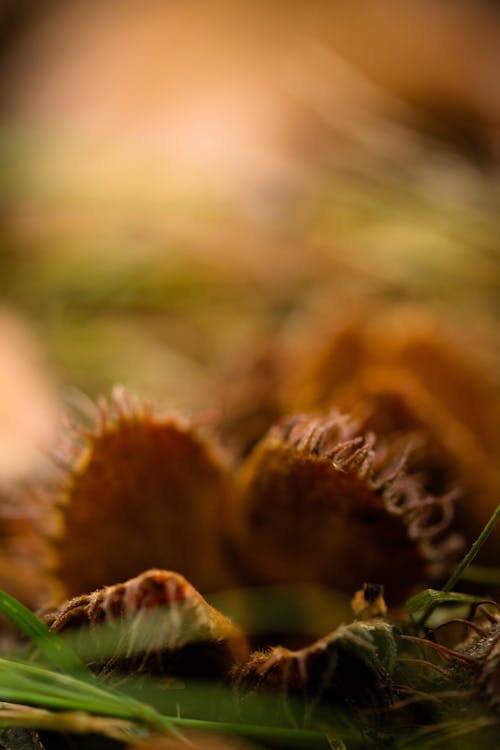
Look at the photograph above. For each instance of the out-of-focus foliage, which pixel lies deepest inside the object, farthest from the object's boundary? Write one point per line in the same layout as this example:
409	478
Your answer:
158	212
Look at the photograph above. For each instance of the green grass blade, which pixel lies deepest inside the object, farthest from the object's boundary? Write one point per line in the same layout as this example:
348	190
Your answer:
292	739
471	554
51	646
421	606
32	685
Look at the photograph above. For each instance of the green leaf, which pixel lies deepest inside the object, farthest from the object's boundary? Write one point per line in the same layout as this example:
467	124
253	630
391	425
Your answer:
421	606
53	648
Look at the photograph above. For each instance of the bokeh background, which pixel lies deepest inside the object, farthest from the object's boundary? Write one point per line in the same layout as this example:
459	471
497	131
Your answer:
183	180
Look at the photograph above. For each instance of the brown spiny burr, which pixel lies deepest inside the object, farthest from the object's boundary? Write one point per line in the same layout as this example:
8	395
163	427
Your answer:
155	623
416	372
320	501
348	670
142	491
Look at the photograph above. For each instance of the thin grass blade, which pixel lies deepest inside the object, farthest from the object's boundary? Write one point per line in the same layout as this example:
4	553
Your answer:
32	685
51	646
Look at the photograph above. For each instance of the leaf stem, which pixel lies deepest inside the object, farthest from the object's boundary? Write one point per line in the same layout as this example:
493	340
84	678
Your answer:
457	573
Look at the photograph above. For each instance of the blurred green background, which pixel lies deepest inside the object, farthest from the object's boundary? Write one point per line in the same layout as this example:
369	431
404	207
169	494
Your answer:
178	178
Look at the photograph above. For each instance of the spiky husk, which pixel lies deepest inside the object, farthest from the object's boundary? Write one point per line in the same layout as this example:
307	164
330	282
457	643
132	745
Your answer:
445	455
155	623
446	385
319	501
447	364
142	491
481	652
448	686
340	675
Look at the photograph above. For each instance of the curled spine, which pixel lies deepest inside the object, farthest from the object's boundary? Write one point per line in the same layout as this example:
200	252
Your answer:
383	463
478	654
